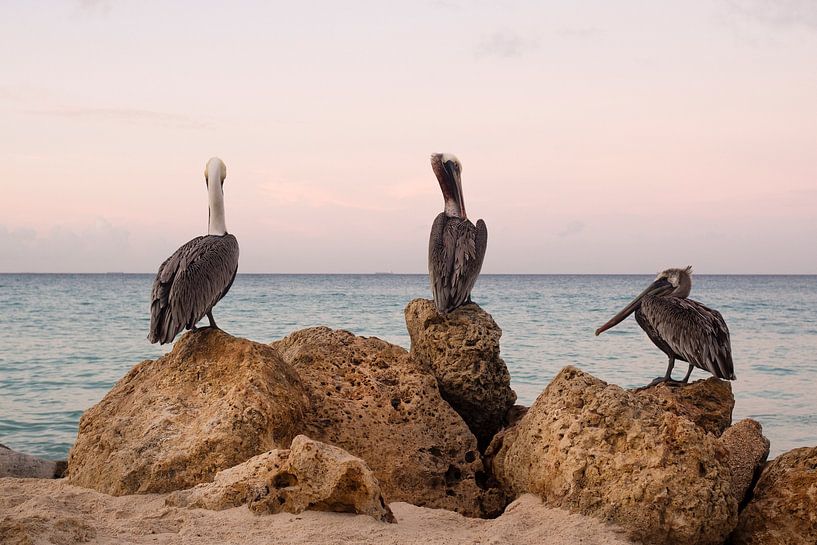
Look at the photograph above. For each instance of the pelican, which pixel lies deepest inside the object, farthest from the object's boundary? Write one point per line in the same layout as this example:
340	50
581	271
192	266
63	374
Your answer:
682	328
456	248
192	280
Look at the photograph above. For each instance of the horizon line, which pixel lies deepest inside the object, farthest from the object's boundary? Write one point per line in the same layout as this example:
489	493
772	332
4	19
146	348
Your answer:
122	273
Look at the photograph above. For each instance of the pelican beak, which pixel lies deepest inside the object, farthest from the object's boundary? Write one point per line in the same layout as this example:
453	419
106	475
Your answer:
452	177
659	287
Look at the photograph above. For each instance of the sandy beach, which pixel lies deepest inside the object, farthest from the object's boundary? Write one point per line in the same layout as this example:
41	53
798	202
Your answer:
35	511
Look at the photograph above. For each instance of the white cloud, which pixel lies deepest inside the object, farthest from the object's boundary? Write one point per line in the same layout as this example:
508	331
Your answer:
127	115
801	13
505	45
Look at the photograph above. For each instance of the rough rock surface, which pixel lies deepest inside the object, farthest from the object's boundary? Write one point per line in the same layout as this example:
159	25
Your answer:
17	464
372	399
783	508
462	350
309	475
599	450
708	403
52	512
748	450
169	424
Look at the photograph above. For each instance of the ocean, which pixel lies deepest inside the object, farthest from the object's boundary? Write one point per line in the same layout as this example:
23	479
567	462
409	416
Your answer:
65	339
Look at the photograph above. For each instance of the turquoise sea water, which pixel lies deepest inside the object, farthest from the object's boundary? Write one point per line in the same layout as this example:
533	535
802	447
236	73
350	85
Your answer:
65	339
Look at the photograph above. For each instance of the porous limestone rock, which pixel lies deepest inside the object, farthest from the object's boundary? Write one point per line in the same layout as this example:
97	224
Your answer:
708	403
748	450
17	464
171	423
783	508
372	399
461	349
603	451
310	475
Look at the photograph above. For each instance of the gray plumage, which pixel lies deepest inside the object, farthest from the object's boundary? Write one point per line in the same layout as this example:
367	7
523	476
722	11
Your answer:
189	284
683	329
688	331
456	250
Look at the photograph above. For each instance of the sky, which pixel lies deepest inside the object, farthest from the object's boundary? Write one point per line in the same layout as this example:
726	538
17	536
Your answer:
595	136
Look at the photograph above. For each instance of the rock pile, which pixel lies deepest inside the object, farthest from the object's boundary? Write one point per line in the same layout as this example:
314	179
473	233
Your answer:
213	402
326	420
599	450
17	464
462	351
372	399
783	508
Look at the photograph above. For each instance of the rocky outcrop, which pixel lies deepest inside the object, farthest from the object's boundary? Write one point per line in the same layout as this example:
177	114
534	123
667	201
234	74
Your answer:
17	464
599	450
169	424
708	403
462	351
373	400
783	508
310	475
747	452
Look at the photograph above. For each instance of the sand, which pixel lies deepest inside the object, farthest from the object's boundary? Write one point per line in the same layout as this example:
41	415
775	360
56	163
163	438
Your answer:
39	511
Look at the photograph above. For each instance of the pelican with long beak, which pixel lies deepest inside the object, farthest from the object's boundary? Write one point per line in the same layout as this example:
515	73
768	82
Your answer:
682	328
192	280
456	247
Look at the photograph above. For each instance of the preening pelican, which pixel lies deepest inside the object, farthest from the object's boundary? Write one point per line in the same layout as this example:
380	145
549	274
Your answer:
682	328
192	280
456	247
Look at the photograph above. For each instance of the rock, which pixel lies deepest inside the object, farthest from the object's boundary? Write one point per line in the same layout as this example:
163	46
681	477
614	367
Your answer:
783	508
462	351
310	475
748	450
239	485
708	403
17	464
599	450
373	400
169	424
515	414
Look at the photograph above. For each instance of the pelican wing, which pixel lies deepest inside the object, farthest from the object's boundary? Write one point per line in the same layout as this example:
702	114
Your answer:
437	263
189	283
472	262
455	253
693	331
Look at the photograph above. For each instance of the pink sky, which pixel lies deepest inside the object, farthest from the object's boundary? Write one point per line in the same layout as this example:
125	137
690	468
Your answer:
594	138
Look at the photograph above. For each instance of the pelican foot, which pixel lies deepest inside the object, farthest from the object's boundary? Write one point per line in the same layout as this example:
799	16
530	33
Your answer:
194	329
662	380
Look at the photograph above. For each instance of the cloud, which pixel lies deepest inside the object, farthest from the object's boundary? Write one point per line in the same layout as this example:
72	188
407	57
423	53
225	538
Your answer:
571	229
444	4
91	248
388	198
784	13
504	45
127	115
580	32
96	7
306	194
